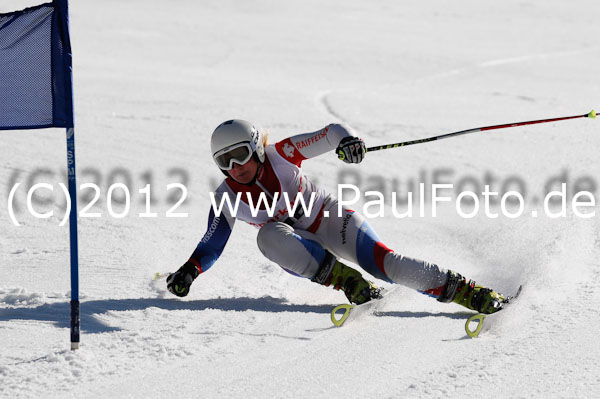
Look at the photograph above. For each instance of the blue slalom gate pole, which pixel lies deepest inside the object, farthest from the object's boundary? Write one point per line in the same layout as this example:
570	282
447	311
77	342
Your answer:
63	15
73	239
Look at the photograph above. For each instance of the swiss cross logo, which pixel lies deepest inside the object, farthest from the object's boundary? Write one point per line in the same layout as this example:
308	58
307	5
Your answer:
288	150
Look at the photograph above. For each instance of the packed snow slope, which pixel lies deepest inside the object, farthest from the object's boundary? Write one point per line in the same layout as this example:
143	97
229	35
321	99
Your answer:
153	79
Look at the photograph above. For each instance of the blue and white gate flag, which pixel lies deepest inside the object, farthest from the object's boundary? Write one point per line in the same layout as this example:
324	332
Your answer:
35	68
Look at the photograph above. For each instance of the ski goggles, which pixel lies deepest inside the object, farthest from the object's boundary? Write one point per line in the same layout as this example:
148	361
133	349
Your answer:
239	153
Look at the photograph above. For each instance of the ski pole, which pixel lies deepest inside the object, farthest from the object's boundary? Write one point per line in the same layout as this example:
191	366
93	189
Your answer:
591	115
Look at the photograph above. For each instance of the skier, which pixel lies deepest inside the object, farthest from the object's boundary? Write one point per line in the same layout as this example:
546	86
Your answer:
310	245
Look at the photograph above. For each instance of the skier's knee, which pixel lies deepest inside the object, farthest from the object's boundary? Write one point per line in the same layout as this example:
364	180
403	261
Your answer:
270	234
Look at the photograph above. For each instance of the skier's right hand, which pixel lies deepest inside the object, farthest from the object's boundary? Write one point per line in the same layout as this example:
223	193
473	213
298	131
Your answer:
351	149
179	283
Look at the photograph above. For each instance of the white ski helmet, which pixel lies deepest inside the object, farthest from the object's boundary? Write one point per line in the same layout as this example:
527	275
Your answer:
233	134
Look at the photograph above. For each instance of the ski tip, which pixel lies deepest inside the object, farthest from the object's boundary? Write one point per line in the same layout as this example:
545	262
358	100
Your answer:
592	114
510	298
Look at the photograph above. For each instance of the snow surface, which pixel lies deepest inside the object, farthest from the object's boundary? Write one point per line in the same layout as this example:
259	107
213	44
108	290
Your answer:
153	79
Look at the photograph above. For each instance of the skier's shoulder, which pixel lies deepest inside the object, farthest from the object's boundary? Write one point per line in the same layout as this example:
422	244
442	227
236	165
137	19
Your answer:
284	150
271	150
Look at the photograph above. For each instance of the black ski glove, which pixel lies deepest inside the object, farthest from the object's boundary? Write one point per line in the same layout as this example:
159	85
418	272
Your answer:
179	283
351	150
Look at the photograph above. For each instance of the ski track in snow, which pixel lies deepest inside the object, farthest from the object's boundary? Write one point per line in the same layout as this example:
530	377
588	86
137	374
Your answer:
501	62
325	102
327	105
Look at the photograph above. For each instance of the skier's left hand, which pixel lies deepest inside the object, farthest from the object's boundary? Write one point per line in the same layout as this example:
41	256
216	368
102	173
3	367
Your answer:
351	150
179	283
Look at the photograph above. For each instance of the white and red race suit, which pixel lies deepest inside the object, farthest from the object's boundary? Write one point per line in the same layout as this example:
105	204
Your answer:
298	242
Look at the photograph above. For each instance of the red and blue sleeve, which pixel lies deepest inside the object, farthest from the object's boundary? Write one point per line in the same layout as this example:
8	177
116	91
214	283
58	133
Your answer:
212	244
